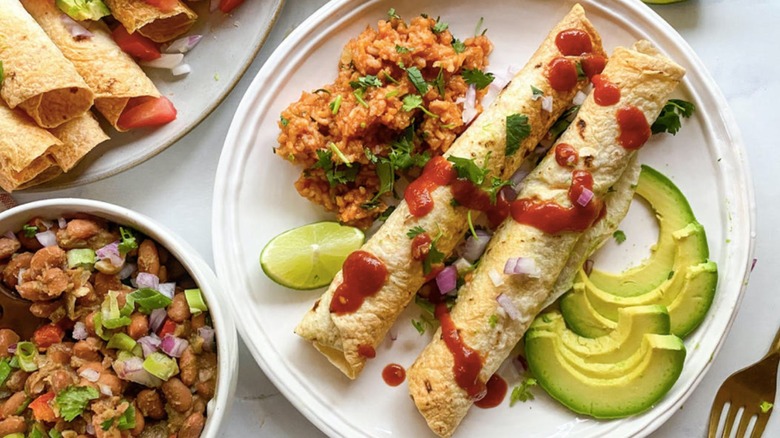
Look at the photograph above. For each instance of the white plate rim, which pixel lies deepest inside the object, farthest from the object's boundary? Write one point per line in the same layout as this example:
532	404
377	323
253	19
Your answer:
223	188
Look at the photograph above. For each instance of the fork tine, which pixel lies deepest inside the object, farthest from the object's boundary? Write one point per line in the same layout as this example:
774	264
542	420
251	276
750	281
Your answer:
761	421
730	420
716	412
744	422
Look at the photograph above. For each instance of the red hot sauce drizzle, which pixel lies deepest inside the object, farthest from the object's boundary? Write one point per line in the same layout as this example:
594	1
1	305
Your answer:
496	391
634	129
605	93
565	155
562	74
472	197
593	64
553	218
366	351
438	172
573	42
394	374
468	364
364	275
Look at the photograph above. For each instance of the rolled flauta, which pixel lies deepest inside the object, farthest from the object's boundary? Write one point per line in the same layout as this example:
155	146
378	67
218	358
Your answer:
111	74
78	137
151	22
443	395
38	78
344	337
25	157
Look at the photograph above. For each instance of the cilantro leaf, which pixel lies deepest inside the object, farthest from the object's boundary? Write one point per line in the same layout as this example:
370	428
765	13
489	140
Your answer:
619	236
335	105
563	122
479	27
536	93
359	96
30	230
434	257
107	424
517	129
413	101
439	82
415	76
402	151
440	26
365	82
477	77
284	121
5	371
127	419
392	14
522	392
458	46
386	174
669	119
74	399
414	232
128	242
580	71
493	320
334	173
468	169
496	184
419	326
401	49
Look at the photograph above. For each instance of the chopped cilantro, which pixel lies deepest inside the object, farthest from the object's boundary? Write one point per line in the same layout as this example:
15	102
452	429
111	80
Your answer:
419	325
390	78
107	424
471	225
414	232
127	419
477	77
458	46
413	101
335	105
439	82
54	433
669	119
392	14
765	406
74	399
619	236
366	81
128	242
496	184
434	256
580	71
479	27
333	172
517	129
402	148
440	26
563	122
671	274
522	392
386	174
390	94
359	96
468	169
537	93
30	230
415	76
284	121
339	154
493	320
402	49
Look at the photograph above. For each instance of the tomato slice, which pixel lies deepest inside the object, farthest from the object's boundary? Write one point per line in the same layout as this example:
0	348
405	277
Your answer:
228	5
41	408
167	329
135	44
147	111
47	335
163	5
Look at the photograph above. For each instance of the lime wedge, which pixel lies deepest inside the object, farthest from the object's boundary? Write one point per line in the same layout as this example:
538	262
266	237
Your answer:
308	257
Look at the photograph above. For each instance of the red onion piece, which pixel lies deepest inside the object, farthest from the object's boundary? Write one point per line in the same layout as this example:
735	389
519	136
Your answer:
393	333
447	280
470	104
10	235
150	344
520	363
147	280
167	289
579	98
475	246
181	69
166	61
12	349
133	370
521	265
509	193
90	374
127	270
47	223
79	331
585	197
173	346
207	333
519	175
156	319
110	252
183	44
753	265
90	429
62	223
496	278
509	307
76	30
47	238
547	103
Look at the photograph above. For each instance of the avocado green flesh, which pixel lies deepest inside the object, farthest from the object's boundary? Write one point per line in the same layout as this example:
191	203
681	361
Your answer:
673	213
615	395
688	310
81	10
633	323
581	317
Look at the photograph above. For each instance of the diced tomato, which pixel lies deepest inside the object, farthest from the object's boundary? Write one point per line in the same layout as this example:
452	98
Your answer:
41	408
228	5
167	328
145	112
163	5
47	335
135	44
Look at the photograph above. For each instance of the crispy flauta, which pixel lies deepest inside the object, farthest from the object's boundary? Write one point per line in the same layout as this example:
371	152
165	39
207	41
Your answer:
78	137
159	26
25	157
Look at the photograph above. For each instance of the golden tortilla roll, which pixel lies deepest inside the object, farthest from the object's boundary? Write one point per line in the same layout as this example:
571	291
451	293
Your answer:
25	157
38	78
342	336
111	74
151	22
645	79
78	137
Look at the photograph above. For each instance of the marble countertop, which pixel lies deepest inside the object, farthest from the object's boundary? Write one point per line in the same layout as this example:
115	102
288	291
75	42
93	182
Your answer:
737	41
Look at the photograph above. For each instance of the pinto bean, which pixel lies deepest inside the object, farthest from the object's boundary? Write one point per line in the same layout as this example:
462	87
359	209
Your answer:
35	384
17	380
60	379
179	310
198	321
148	258
44	309
87	350
192	426
11	270
13	424
206	389
48	257
177	394
105	282
139	326
107	378
106	267
139	423
60	353
8	337
8	247
12	405
188	366
150	404
82	228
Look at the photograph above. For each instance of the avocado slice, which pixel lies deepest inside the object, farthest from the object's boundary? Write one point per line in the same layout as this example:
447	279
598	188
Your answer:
632	324
626	388
580	315
673	213
81	10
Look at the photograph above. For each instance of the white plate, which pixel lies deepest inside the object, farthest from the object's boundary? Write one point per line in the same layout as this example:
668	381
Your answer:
230	43
254	200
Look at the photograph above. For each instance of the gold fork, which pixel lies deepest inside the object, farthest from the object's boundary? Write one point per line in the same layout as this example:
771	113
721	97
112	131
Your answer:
751	389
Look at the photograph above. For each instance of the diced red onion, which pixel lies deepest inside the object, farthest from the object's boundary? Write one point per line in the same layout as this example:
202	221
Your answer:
127	270
149	344
10	235
167	289
470	104
76	30
547	103
519	175
183	44
579	98
392	333
147	280
173	346
133	370
520	363
90	374
447	280
587	266
207	333
80	331
62	223
110	252
509	193
47	238
214	5
753	265
585	197
462	265
90	429
156	319
165	61
475	246
496	278
521	265
181	69
47	223
105	390
12	349
509	307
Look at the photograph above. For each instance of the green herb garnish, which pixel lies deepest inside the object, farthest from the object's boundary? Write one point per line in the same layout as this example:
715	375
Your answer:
440	26
580	71
493	320
765	406
392	14
477	77
669	119
30	230
413	101
619	236
439	82
335	105
414	232
536	93
415	76
517	129
284	121
434	256
128	242
468	169
74	399
366	81
359	96
402	49
522	392
458	46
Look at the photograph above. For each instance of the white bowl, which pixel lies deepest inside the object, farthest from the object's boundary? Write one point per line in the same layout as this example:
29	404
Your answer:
227	343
